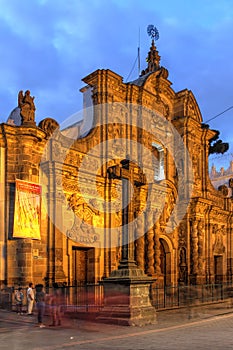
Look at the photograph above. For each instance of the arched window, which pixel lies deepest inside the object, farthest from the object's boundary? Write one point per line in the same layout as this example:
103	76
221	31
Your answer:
159	164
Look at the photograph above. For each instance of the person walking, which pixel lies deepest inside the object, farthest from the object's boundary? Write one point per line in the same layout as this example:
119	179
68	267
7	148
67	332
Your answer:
40	304
19	300
30	298
56	305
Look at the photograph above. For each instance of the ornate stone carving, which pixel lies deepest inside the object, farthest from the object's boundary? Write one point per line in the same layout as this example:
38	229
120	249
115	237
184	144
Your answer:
224	190
82	232
150	243
182	266
194	248
157	248
49	125
140	242
182	234
200	230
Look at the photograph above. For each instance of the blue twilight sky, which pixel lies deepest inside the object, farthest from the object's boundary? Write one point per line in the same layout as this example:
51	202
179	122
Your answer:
48	46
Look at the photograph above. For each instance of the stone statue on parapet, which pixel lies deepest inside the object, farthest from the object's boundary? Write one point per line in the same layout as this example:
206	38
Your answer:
27	108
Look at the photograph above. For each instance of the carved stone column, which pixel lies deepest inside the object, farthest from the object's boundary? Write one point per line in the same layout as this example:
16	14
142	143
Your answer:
140	243
150	244
200	250
127	289
194	252
157	249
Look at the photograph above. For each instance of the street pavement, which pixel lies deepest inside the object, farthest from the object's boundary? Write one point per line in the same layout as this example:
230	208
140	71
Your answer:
209	327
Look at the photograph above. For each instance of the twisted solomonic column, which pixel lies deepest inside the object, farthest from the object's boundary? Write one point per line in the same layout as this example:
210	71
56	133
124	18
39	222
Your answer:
200	247
140	242
150	243
157	248
194	248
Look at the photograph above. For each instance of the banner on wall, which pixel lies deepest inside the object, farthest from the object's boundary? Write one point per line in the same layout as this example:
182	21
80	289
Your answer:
27	210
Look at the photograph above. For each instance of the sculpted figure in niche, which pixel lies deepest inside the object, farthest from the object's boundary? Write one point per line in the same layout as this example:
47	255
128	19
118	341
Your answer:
182	233
27	107
218	246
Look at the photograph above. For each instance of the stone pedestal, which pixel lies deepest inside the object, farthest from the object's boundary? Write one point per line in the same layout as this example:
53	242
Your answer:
127	298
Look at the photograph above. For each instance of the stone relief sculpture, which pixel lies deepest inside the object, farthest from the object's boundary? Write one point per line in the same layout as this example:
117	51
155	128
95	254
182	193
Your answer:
27	107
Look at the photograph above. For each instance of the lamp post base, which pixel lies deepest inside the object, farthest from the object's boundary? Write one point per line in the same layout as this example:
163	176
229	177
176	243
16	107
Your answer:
127	299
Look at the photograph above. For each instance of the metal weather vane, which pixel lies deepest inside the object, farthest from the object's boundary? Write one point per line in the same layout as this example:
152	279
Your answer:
153	32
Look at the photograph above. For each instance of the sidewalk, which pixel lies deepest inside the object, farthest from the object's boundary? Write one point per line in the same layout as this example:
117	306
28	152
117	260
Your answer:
165	318
193	313
21	332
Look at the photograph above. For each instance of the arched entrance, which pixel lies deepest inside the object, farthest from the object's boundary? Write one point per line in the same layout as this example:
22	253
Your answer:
165	258
82	265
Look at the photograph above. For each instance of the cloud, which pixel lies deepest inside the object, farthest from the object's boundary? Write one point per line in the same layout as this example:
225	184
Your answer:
49	46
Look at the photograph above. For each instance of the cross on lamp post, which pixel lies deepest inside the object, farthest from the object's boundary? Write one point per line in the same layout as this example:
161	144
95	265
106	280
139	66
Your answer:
127	171
127	289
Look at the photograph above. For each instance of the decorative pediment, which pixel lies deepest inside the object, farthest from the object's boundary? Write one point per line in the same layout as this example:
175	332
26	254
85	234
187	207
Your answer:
186	105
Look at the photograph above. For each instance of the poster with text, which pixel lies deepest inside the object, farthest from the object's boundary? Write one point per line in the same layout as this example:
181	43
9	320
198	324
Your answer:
27	210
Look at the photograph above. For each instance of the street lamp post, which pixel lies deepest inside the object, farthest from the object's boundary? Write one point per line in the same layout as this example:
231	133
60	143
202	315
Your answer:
127	289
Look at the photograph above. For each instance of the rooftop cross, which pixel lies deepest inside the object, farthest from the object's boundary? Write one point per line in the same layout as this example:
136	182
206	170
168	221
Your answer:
153	58
153	32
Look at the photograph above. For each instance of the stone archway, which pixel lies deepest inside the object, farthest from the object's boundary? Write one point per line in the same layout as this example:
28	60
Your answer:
165	258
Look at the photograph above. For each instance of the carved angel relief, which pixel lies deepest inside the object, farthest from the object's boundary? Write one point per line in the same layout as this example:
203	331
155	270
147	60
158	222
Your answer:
87	217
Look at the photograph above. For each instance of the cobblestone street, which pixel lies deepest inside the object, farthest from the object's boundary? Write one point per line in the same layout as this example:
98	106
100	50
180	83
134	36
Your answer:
208	328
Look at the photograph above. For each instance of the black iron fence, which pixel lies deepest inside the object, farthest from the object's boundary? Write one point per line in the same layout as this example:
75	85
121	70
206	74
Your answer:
87	297
178	296
90	297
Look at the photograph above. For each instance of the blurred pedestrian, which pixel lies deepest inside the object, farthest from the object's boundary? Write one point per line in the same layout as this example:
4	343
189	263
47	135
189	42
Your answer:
40	304
19	301
56	305
30	298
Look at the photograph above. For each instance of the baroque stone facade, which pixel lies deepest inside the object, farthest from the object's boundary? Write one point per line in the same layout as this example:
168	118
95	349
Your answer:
179	226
